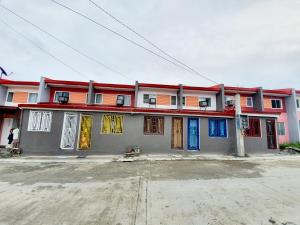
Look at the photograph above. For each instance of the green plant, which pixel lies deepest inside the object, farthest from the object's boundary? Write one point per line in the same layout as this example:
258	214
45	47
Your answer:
293	145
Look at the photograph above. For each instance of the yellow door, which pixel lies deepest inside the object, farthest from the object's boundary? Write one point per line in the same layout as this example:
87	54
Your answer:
177	133
85	132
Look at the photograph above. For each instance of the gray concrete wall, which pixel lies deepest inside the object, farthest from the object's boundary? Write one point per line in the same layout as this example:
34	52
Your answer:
258	100
292	114
91	93
44	91
49	142
3	94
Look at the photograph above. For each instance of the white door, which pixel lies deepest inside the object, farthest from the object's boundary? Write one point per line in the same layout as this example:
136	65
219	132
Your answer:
6	126
69	131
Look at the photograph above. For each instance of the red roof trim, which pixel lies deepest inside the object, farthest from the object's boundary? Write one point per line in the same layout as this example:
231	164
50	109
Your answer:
66	82
122	86
24	83
127	109
297	91
193	88
279	91
240	89
255	111
164	86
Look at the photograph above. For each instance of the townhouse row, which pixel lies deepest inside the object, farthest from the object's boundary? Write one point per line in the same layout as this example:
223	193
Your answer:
69	117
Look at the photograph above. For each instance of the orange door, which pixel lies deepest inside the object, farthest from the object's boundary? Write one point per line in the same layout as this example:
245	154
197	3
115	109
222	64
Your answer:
177	133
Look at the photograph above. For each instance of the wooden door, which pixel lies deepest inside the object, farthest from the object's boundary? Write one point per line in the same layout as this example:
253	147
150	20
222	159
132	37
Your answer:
271	134
84	141
69	131
177	133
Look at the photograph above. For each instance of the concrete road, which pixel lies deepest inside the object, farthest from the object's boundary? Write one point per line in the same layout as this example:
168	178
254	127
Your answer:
151	193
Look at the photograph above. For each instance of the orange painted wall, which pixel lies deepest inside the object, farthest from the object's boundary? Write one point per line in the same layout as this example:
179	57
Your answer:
78	97
20	97
244	101
163	100
109	99
192	101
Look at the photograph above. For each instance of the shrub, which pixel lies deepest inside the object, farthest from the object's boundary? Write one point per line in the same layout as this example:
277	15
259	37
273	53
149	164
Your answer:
293	145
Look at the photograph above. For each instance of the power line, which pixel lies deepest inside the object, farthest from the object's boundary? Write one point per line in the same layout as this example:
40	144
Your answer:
63	42
149	42
124	37
41	49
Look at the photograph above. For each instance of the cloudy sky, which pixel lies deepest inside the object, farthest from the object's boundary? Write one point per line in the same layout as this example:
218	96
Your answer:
236	42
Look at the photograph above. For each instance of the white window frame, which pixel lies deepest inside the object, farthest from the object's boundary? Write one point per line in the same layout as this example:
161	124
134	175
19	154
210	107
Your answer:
7	96
29	97
279	133
97	103
247	98
30	128
171	100
298	103
277	99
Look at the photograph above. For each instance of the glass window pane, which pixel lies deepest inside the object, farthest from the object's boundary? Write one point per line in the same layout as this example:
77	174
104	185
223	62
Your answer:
10	96
32	98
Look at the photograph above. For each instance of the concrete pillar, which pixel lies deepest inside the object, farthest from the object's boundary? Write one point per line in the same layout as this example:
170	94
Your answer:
44	91
239	132
220	98
3	94
136	93
179	97
292	115
91	93
258	100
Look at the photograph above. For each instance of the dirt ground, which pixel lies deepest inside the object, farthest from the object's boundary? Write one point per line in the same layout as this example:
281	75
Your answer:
151	193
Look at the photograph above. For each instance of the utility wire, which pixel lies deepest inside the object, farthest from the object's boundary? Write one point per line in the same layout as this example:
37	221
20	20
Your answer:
63	42
150	42
124	37
43	50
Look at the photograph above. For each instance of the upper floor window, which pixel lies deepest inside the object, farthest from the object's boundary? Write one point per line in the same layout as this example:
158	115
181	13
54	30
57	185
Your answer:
98	98
32	97
10	96
254	128
206	100
183	100
59	94
249	102
276	103
298	103
126	99
146	98
174	100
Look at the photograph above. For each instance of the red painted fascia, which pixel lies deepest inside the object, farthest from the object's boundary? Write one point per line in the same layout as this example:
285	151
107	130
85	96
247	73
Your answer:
193	88
115	86
23	83
126	109
279	91
297	91
255	111
159	86
66	82
240	89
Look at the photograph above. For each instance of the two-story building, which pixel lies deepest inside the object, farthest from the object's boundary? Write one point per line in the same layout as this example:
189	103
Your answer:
13	93
72	117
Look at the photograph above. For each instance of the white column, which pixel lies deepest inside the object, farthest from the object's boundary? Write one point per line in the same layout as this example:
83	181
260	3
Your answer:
240	145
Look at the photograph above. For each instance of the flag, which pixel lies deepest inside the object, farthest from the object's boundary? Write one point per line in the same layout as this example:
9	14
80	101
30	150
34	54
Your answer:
2	71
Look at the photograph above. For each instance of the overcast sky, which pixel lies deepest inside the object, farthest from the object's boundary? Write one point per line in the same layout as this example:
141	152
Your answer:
237	42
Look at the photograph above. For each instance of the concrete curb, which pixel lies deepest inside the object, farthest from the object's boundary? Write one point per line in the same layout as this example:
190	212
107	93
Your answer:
120	158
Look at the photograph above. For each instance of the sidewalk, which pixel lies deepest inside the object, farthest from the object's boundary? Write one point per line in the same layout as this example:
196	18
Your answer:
151	157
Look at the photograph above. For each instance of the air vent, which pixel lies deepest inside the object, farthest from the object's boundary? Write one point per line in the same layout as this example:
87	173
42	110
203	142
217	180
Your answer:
63	97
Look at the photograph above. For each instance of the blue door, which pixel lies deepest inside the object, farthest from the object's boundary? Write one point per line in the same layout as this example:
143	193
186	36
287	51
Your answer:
193	133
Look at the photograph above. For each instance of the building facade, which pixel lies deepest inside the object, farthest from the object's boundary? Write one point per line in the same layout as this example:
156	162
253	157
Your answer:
95	118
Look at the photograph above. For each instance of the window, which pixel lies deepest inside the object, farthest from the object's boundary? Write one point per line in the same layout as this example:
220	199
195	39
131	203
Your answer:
298	103
60	94
112	124
183	100
98	98
208	100
276	103
174	100
10	96
254	128
154	125
249	102
217	128
127	99
281	128
40	121
32	98
146	98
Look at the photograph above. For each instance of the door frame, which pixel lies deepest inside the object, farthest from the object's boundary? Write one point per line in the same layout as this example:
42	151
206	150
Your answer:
62	131
172	133
198	134
275	133
79	131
